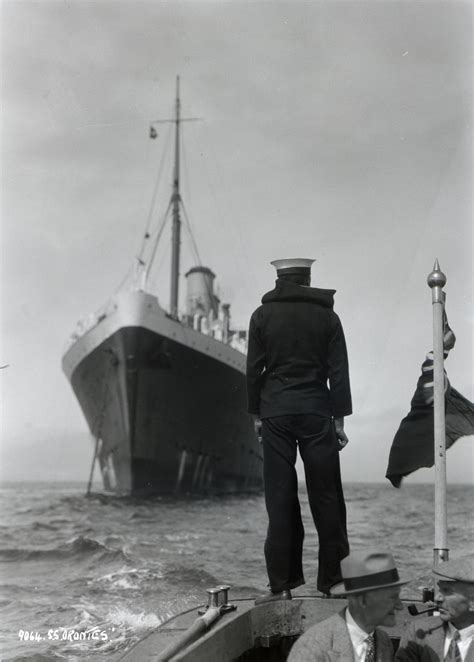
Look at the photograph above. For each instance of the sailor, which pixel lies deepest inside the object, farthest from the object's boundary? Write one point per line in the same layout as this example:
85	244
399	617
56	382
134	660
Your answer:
299	392
448	636
372	587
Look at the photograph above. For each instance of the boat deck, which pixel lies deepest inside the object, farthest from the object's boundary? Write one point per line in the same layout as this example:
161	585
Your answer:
250	633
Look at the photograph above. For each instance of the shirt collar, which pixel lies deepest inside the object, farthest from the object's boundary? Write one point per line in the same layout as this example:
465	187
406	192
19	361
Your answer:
464	634
357	634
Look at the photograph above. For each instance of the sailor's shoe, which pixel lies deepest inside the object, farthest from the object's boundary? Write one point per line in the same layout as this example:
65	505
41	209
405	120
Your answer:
274	597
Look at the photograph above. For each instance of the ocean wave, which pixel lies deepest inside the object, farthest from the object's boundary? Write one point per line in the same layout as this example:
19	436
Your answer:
243	591
78	546
16	589
114	540
121	625
128	579
124	627
190	576
43	526
143	517
123	617
131	564
183	537
360	498
39	657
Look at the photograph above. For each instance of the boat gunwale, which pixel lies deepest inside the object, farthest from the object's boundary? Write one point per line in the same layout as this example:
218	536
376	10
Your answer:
256	620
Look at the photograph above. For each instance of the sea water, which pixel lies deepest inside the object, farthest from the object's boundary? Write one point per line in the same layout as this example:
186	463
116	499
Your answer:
82	578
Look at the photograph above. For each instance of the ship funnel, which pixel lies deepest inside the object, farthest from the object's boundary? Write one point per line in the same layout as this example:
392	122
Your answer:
200	296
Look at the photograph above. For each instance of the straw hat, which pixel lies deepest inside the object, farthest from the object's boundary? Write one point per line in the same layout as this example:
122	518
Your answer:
367	571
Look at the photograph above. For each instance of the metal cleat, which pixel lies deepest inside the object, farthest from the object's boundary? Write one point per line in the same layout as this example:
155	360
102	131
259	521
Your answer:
218	598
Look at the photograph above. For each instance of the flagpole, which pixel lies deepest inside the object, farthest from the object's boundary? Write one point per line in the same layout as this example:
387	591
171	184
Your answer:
436	281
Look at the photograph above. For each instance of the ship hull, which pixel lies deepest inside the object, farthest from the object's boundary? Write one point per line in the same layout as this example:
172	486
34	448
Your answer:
166	404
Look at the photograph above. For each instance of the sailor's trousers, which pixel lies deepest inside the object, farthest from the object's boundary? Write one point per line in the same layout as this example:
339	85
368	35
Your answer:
315	436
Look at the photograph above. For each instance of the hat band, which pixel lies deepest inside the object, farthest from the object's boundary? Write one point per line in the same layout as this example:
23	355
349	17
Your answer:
366	581
294	270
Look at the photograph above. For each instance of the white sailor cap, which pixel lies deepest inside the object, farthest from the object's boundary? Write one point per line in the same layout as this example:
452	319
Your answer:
293	265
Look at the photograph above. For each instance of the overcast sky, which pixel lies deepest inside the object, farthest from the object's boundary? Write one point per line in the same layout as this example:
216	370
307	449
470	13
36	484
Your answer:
331	130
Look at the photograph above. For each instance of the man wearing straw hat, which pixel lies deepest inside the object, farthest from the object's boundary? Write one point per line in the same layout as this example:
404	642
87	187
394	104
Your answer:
372	587
298	387
448	636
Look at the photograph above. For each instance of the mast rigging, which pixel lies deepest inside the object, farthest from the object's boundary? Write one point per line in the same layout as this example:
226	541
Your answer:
175	205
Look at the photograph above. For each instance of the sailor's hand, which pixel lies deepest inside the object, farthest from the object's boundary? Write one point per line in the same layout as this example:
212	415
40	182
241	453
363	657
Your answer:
257	424
342	438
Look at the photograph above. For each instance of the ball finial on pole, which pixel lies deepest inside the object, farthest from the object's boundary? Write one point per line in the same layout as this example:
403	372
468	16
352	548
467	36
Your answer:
436	280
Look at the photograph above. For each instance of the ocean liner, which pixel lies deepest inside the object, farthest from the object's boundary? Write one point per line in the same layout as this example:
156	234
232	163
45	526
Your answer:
163	392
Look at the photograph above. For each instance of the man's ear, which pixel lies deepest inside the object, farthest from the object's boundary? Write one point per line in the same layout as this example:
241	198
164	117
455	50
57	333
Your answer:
361	599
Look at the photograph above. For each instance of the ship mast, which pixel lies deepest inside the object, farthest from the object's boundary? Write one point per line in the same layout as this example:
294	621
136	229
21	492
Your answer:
176	227
174	205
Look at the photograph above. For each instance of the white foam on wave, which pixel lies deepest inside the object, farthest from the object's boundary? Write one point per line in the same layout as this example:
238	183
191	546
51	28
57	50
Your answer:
128	578
178	537
87	613
123	617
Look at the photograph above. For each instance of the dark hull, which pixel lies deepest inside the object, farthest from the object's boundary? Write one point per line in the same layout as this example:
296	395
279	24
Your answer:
170	418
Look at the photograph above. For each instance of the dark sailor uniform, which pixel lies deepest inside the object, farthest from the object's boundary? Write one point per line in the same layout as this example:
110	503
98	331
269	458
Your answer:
297	383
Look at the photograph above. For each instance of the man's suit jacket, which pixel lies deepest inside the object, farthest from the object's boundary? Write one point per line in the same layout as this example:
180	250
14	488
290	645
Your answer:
423	641
329	641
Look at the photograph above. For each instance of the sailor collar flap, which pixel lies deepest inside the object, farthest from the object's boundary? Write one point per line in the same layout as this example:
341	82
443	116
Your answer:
286	291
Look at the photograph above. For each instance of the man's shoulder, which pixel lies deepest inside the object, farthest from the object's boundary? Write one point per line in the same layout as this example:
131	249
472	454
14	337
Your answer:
256	315
337	620
423	628
384	644
422	639
382	635
324	630
260	309
325	641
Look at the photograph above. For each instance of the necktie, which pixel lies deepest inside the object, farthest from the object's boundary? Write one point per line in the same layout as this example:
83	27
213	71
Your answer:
370	654
454	654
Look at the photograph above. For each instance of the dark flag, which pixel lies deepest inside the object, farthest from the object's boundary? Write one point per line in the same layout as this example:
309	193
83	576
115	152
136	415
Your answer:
413	444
